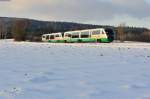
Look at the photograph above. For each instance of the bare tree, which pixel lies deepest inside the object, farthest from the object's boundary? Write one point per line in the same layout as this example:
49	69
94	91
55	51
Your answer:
146	36
19	29
2	29
121	35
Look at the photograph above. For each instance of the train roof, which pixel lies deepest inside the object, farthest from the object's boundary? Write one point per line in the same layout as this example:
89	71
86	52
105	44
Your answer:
85	30
74	31
53	33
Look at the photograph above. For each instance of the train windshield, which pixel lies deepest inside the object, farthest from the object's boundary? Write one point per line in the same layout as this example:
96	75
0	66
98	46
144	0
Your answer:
109	31
110	34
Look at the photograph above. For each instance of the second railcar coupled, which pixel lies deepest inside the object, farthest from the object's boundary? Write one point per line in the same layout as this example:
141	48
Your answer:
81	36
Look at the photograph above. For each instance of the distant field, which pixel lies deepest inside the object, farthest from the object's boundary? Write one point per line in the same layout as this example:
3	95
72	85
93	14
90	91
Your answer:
74	70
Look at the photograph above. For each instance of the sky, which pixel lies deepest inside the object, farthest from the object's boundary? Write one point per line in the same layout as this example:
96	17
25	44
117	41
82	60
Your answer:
100	12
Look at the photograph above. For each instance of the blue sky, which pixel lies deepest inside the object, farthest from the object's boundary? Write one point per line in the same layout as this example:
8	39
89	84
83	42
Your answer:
109	12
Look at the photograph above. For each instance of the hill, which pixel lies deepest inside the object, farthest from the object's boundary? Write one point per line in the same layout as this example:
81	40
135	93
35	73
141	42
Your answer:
36	28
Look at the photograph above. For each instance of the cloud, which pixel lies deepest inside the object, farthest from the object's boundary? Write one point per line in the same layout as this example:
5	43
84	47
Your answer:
128	20
77	10
138	8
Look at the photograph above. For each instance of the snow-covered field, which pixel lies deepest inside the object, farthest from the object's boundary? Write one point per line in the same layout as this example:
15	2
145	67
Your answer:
74	71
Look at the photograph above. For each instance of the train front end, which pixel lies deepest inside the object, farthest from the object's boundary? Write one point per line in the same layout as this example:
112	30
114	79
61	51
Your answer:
110	34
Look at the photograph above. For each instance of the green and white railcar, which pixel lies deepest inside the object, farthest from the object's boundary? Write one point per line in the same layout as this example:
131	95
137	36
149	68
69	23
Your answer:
53	38
89	35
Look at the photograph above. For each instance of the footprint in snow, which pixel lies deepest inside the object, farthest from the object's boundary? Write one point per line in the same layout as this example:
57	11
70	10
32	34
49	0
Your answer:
139	86
42	79
49	73
146	96
135	86
11	91
148	56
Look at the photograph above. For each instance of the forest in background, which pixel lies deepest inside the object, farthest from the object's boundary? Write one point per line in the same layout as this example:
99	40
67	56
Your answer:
28	29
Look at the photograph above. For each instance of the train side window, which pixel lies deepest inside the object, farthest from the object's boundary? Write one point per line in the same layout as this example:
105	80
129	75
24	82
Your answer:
57	35
67	35
75	35
52	37
47	37
96	32
85	34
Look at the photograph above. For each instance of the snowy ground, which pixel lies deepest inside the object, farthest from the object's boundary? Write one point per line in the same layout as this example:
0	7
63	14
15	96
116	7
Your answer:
74	71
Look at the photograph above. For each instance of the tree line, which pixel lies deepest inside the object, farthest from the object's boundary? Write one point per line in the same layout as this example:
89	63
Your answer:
31	30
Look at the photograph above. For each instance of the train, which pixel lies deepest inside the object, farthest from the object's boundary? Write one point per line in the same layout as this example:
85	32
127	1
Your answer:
99	35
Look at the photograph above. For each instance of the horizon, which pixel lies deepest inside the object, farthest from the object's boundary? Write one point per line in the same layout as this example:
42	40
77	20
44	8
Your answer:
104	12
